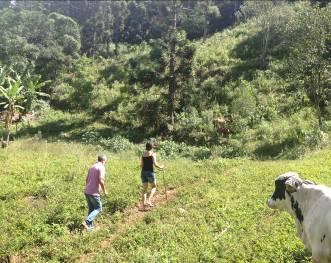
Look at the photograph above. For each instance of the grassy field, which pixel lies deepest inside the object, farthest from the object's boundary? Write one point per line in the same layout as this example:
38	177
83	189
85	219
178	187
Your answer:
218	215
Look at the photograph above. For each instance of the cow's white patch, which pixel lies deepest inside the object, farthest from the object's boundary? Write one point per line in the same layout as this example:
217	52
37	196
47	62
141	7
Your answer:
310	206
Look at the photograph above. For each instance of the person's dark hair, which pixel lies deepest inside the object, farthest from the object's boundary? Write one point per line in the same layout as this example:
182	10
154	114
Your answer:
102	158
149	146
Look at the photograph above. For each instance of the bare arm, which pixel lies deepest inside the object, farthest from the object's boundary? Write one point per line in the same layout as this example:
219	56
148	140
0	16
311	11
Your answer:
156	163
102	183
87	177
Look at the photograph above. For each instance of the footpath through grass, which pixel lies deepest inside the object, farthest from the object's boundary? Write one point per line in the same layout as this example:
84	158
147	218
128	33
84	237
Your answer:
224	219
42	203
219	216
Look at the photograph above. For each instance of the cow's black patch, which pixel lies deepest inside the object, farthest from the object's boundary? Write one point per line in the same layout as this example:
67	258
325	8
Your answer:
323	238
279	189
297	210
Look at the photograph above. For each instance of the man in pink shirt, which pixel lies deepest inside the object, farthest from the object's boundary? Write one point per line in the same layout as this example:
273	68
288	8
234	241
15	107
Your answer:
95	181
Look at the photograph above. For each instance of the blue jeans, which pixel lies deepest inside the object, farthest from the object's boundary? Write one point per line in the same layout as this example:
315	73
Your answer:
94	208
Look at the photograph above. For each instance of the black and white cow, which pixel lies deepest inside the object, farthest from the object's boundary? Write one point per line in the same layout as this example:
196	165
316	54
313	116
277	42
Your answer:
310	205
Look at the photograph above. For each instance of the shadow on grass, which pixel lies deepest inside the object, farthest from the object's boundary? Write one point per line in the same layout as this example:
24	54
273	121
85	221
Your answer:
70	130
302	256
73	129
278	150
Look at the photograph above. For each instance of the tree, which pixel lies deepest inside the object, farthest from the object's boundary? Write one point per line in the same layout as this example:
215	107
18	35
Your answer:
172	61
310	60
118	10
42	43
267	20
12	95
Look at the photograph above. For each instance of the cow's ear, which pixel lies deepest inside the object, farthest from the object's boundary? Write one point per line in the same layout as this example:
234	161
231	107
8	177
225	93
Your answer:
291	185
308	182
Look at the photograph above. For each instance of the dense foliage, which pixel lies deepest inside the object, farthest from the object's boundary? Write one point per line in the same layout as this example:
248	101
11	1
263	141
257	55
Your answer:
206	81
261	67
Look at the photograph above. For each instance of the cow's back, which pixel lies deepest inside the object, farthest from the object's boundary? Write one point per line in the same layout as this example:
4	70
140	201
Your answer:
317	224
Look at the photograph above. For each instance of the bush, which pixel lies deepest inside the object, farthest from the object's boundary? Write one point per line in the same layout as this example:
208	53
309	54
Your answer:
234	148
116	144
287	138
202	153
90	137
169	149
197	127
117	204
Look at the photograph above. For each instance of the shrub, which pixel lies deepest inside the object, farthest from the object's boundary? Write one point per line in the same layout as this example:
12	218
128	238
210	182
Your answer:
233	148
116	144
169	149
117	204
197	127
287	138
90	137
202	153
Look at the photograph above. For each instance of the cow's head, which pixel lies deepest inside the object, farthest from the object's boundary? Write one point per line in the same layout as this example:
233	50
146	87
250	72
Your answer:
285	185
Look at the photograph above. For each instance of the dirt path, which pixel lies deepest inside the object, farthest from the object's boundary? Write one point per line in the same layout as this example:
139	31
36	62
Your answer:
130	216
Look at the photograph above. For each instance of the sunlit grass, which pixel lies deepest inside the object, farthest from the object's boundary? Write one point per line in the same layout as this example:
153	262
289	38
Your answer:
225	219
219	214
42	201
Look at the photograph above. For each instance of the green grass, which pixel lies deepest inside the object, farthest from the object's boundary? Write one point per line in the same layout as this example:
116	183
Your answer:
225	217
42	201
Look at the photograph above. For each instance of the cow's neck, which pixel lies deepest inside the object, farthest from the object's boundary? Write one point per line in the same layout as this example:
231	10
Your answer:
303	200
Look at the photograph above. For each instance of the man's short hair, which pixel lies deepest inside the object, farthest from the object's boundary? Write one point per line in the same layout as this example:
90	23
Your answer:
149	146
102	158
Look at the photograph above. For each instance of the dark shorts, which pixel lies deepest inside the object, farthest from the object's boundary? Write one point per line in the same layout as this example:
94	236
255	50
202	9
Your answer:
148	177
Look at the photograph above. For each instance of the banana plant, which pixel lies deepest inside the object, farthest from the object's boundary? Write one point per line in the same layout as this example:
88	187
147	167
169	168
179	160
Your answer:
11	96
31	92
4	72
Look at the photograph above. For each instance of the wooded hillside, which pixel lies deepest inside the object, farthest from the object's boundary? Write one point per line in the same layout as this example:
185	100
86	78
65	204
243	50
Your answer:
250	77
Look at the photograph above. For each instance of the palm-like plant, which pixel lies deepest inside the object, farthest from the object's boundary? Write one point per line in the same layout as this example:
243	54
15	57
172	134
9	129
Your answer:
31	93
4	72
11	96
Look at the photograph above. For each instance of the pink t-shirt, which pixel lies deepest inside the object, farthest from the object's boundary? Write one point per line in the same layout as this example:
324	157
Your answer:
94	176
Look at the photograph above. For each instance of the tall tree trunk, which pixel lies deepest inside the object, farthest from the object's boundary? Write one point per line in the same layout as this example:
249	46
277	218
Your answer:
116	33
68	11
318	101
316	96
172	77
9	121
236	5
8	137
265	43
205	22
92	47
108	30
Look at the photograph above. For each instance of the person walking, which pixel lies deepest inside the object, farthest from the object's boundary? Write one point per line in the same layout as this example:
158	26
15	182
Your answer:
95	181
148	161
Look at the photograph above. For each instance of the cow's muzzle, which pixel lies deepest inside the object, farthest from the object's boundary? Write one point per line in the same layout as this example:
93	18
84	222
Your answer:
271	203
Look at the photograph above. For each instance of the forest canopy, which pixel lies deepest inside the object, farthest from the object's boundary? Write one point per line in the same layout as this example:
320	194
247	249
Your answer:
251	77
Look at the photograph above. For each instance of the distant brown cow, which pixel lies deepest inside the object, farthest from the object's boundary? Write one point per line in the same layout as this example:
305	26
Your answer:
225	132
221	127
